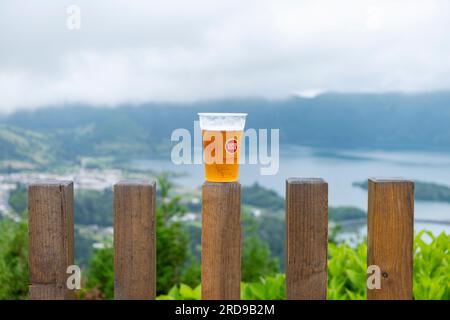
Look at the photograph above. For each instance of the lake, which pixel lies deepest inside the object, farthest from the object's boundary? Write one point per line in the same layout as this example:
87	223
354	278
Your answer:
340	169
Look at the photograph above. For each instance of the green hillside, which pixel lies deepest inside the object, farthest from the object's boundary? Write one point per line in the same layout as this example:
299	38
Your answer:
351	121
25	149
424	191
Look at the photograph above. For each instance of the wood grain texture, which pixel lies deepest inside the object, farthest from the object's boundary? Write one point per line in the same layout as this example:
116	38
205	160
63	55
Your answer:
306	239
51	244
390	237
134	240
221	241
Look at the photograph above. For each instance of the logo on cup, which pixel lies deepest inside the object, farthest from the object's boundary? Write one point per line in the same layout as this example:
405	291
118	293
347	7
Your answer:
231	145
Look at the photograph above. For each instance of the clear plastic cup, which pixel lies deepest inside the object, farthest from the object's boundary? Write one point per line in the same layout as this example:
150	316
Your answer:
222	134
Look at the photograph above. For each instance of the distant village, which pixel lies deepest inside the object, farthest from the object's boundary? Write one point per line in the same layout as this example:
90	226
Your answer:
92	179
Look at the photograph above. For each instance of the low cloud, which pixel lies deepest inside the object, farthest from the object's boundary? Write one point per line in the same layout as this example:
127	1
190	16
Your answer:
179	51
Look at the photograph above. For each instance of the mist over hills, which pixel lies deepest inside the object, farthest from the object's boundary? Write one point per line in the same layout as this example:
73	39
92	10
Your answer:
341	121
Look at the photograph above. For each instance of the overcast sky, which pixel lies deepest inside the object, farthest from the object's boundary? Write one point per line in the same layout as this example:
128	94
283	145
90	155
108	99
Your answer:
138	51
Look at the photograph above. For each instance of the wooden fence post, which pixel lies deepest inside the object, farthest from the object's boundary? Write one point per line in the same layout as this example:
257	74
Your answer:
134	240
306	239
221	241
51	246
390	237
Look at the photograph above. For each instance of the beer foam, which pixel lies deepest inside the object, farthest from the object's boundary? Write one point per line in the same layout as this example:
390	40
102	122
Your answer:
222	121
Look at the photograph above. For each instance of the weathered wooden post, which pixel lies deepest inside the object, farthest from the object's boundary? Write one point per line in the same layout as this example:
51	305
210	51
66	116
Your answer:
306	238
221	240
51	244
390	237
134	240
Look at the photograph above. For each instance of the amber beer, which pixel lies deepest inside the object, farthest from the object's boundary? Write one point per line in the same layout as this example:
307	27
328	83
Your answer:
222	135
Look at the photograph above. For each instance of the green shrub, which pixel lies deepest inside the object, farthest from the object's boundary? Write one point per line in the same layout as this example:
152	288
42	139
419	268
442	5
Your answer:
100	273
268	288
432	267
347	274
13	260
182	292
347	271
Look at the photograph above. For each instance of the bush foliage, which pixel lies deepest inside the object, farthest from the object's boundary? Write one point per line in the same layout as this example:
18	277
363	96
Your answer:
347	274
13	260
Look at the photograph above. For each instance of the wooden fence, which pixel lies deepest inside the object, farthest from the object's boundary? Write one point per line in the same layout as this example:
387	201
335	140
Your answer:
390	239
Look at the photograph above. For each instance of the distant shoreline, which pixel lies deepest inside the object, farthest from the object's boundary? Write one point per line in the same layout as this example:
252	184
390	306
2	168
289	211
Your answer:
353	222
424	191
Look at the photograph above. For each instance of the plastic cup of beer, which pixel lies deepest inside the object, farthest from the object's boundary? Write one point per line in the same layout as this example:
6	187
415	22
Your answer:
222	134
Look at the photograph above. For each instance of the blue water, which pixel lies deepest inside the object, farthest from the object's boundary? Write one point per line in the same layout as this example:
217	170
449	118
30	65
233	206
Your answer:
340	169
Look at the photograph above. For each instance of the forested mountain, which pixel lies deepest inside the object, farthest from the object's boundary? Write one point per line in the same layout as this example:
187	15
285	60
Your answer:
385	121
